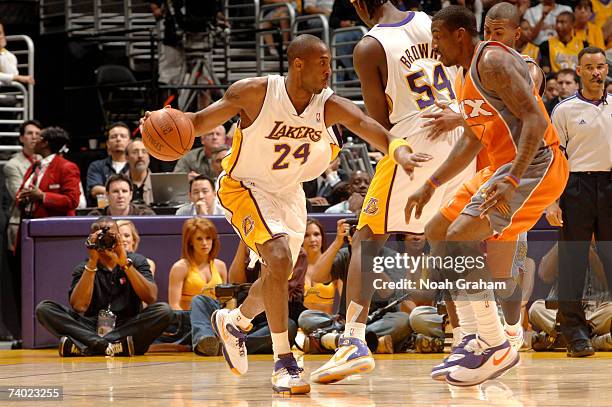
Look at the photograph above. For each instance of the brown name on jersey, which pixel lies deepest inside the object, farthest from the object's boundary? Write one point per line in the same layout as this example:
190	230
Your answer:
419	51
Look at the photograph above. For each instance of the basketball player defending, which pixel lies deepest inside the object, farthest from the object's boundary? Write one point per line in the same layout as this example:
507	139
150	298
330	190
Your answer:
527	171
283	139
401	80
502	24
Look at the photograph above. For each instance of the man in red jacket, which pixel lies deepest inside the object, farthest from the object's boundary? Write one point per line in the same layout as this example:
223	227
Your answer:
50	186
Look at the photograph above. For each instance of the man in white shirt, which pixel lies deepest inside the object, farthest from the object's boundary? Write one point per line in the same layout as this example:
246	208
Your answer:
16	167
202	197
543	18
584	124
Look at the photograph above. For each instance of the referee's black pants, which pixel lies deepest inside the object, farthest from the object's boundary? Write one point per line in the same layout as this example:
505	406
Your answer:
143	328
587	210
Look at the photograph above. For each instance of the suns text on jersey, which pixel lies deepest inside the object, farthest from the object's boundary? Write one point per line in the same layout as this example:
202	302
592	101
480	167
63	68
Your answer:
283	130
419	51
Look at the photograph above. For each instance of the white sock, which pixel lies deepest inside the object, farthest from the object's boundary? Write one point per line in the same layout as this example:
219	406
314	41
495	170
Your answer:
457	335
280	344
467	320
355	330
239	320
485	309
514	329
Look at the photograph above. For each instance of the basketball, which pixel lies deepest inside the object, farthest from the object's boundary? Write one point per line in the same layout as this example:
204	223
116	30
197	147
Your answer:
168	134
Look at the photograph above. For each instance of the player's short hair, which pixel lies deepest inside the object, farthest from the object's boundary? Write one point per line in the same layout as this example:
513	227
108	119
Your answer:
118	124
569	71
373	5
591	50
505	11
56	137
567	13
455	17
201	178
27	123
116	178
584	4
302	45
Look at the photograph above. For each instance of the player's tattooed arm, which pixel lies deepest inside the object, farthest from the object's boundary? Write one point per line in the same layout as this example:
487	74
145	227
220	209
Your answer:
500	73
536	75
244	97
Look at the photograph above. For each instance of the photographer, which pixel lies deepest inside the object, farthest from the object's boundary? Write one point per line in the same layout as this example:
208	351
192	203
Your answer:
390	331
106	297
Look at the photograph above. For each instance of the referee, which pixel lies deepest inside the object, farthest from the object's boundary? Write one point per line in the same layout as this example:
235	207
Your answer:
584	124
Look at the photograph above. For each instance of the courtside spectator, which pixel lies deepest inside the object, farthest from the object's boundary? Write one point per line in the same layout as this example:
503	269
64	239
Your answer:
543	18
202	198
16	167
197	161
139	172
119	191
567	84
561	52
584	29
358	188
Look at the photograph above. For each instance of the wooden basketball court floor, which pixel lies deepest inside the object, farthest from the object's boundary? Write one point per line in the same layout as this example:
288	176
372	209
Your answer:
184	379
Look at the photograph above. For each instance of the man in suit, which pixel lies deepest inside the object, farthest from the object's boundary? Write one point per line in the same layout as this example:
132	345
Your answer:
16	167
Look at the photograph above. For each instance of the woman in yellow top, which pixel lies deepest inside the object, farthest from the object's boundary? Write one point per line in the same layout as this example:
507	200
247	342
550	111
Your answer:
192	282
317	296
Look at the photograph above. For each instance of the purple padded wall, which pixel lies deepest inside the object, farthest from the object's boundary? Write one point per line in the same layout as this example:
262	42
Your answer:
52	247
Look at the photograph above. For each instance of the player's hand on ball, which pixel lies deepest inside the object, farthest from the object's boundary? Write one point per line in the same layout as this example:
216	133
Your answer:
408	160
417	201
443	122
554	215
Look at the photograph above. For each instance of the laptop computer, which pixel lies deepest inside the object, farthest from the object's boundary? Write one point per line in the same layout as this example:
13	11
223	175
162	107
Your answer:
170	188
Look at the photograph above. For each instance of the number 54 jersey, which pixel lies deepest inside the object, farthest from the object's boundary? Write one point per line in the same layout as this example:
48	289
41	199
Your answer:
282	148
415	77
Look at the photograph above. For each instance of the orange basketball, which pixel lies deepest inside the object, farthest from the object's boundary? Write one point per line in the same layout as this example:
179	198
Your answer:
168	134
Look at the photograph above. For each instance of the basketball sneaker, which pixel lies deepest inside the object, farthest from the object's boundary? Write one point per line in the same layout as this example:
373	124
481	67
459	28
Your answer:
351	357
482	363
287	376
516	340
449	363
67	348
233	341
122	347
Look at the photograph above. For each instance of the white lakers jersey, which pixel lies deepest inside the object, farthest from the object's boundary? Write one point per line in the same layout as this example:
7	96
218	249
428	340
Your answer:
281	149
415	78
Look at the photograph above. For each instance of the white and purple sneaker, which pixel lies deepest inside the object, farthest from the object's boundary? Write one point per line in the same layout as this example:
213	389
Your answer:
352	357
233	341
449	363
287	377
482	363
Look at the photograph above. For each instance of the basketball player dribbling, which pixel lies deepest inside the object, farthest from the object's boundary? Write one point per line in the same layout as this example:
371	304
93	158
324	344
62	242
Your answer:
401	81
283	139
527	172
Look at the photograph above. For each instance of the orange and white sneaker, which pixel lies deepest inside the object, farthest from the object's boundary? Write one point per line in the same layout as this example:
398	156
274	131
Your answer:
482	362
287	377
351	357
233	341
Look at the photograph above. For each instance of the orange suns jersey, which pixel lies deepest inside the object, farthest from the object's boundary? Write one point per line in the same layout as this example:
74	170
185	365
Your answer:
497	128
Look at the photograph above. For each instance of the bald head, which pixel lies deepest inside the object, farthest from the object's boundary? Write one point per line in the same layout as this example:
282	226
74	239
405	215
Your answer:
505	11
304	45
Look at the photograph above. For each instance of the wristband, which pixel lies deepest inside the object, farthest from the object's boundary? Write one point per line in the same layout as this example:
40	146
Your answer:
394	145
433	182
513	180
128	263
93	270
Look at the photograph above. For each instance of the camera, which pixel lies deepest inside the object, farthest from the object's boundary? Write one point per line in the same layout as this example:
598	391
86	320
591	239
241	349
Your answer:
106	240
